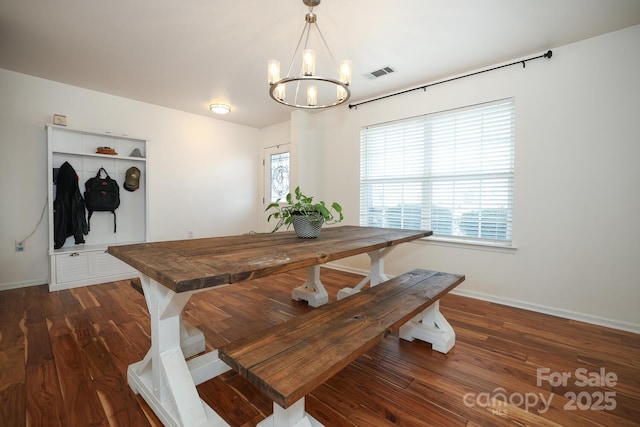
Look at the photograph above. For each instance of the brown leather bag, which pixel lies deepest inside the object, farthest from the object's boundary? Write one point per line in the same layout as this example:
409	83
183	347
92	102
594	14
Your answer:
106	150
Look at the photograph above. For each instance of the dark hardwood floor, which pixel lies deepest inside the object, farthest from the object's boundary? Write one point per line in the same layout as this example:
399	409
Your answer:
64	356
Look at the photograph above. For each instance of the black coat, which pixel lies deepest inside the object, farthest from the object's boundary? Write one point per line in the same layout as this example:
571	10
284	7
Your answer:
69	215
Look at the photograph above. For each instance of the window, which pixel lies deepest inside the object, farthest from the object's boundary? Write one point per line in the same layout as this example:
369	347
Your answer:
449	172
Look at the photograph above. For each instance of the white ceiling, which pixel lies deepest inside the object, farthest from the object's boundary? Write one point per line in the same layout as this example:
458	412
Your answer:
185	54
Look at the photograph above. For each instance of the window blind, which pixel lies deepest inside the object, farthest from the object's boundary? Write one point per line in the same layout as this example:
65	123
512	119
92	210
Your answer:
449	172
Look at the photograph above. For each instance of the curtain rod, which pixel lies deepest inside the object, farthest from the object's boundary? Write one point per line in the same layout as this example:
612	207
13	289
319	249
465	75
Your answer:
547	55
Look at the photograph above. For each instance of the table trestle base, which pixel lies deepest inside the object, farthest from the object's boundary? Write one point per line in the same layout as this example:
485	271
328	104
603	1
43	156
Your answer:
191	339
313	291
293	416
432	327
165	380
376	273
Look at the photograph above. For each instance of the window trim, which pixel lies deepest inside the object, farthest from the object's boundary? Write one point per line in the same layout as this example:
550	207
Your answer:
493	246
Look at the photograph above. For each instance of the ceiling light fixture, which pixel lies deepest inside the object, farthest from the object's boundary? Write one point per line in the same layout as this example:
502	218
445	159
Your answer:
220	108
321	92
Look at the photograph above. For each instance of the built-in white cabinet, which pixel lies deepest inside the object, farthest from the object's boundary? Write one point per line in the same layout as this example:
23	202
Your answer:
74	265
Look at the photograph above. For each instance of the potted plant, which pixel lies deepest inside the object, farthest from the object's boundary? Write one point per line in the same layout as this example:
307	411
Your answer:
306	216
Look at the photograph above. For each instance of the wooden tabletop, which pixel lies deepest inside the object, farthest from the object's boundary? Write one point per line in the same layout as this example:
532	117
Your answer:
187	265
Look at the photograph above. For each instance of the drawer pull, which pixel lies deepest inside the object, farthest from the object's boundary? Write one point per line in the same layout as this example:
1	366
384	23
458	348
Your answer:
74	254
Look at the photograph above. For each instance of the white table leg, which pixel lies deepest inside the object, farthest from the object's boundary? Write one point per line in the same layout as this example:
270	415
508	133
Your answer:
191	338
313	290
376	273
430	326
293	416
165	380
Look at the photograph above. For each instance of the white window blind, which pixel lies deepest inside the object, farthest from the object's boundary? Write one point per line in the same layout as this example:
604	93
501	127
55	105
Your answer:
449	172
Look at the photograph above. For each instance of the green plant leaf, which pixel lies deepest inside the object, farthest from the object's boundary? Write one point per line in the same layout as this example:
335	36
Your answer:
299	204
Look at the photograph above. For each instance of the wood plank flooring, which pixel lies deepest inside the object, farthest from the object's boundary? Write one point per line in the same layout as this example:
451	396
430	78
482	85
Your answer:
64	356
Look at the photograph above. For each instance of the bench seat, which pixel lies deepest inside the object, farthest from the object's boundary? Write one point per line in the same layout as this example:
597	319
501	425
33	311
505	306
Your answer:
289	360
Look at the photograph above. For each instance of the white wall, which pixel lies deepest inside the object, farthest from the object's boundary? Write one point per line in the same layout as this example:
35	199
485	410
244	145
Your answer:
303	144
577	196
202	172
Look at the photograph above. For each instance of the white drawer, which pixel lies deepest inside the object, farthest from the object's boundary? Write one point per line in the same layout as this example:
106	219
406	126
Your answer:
72	266
106	265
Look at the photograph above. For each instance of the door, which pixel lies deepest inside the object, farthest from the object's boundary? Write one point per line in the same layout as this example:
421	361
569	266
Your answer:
276	162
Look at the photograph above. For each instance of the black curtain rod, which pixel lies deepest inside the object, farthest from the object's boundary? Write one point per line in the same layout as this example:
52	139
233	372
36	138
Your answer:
547	55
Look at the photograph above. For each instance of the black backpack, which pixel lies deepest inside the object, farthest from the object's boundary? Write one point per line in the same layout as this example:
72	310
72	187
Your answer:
102	195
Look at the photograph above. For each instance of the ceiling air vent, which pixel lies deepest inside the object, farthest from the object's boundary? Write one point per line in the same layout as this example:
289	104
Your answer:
381	72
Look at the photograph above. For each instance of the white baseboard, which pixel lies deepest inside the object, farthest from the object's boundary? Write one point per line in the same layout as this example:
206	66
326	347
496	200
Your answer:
16	285
565	314
346	269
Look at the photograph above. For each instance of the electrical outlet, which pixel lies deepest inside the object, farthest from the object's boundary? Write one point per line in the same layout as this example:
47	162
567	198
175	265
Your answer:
19	247
190	234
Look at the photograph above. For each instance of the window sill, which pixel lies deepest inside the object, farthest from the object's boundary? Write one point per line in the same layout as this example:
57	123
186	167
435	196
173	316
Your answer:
508	248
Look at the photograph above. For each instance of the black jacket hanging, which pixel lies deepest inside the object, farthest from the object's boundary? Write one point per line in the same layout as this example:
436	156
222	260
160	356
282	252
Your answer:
69	216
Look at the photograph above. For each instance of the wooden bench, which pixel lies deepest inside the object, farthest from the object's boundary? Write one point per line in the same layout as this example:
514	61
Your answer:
289	360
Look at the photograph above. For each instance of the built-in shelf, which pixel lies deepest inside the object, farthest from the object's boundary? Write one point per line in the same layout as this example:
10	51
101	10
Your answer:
104	156
88	263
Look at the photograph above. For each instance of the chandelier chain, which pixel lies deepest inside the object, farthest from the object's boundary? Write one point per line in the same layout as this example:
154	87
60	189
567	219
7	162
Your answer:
326	46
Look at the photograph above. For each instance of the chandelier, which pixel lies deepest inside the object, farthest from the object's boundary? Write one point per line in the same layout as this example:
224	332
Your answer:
307	90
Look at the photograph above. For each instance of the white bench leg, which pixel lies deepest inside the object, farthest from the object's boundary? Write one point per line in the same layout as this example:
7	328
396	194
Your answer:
293	416
313	290
376	273
430	326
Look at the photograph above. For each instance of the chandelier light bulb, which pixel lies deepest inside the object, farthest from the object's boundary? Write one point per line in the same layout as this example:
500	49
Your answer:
308	62
273	67
345	71
279	92
312	96
341	93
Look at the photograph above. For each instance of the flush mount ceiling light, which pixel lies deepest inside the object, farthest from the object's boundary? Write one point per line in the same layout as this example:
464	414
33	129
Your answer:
219	108
307	90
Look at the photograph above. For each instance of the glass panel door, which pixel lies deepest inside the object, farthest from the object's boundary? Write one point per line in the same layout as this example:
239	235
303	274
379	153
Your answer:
276	177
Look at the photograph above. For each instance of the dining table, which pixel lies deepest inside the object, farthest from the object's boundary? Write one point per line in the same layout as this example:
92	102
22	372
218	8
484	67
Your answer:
173	271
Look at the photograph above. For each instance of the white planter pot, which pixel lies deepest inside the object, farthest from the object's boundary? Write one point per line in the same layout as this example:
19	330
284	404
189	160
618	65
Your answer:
305	229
